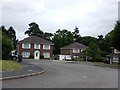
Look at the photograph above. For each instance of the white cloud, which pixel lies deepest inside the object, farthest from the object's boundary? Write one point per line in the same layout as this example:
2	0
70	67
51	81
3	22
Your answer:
70	13
93	17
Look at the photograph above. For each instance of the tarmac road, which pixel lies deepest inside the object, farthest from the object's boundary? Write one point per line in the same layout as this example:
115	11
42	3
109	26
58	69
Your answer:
67	75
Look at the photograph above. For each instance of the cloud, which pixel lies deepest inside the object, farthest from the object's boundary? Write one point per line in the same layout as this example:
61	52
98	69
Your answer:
70	13
93	17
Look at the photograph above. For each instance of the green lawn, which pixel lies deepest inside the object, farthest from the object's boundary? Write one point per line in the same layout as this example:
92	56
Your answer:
8	65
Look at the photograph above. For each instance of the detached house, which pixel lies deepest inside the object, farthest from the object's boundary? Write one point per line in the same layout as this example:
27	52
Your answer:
35	46
114	57
73	50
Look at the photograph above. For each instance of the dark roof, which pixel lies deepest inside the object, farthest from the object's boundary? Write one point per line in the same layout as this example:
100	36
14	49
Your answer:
113	55
35	39
74	45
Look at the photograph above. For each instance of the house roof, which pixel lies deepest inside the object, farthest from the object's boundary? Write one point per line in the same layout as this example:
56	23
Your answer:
113	55
35	39
74	45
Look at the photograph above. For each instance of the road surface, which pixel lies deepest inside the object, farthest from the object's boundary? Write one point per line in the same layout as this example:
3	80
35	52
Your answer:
67	75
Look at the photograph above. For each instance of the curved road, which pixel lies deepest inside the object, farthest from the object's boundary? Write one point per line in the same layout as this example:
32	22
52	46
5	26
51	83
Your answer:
67	75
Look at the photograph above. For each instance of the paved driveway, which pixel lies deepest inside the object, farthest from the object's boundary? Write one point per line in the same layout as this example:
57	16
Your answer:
67	75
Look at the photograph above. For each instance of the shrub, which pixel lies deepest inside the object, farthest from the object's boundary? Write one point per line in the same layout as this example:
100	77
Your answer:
99	59
78	59
106	61
31	57
41	56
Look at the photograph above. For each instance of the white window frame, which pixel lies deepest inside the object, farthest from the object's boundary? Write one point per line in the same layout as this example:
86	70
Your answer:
26	54
36	47
76	51
23	46
44	54
46	48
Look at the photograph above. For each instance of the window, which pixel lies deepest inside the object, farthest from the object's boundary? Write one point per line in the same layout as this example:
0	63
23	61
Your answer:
46	46
46	55
76	51
26	54
37	46
26	45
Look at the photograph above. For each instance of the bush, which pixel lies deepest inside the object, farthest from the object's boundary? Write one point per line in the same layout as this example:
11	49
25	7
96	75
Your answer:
41	56
99	59
31	57
106	61
78	59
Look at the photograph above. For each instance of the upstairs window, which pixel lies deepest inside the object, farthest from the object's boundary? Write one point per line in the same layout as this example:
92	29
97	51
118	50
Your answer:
47	47
26	45
76	51
37	46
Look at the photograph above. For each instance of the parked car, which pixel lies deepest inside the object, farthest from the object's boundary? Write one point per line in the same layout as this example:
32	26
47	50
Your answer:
13	55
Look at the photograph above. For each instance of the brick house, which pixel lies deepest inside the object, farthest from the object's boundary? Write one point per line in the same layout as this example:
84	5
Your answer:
35	46
73	50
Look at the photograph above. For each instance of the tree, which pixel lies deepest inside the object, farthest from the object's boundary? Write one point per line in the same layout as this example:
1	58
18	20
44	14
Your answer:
7	45
76	34
48	36
102	45
34	30
100	37
12	36
108	42
86	40
115	38
62	38
94	52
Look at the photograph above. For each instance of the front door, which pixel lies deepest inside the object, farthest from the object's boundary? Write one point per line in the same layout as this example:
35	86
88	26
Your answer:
36	55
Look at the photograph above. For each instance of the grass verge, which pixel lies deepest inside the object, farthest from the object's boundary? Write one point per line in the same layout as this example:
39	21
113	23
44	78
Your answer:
8	65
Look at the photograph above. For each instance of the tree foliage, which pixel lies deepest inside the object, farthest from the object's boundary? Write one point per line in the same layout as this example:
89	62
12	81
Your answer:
34	30
62	38
76	34
94	52
12	36
48	36
115	38
86	40
7	45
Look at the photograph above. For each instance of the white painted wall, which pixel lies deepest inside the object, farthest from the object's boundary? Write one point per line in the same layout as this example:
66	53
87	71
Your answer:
62	57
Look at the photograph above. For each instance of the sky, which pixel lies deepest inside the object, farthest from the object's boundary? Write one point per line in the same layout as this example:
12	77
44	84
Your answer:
92	17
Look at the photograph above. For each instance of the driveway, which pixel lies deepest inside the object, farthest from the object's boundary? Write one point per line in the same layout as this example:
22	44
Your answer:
67	75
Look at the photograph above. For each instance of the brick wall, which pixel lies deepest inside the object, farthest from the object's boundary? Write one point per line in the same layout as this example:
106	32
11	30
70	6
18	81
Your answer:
31	50
66	51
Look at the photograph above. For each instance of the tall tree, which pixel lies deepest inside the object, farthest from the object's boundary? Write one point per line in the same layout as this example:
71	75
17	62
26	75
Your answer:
7	45
86	40
48	36
76	34
115	38
34	30
101	44
62	38
12	36
3	30
94	52
100	37
108	42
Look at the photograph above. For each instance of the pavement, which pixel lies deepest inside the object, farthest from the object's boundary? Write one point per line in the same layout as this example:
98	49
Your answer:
26	70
